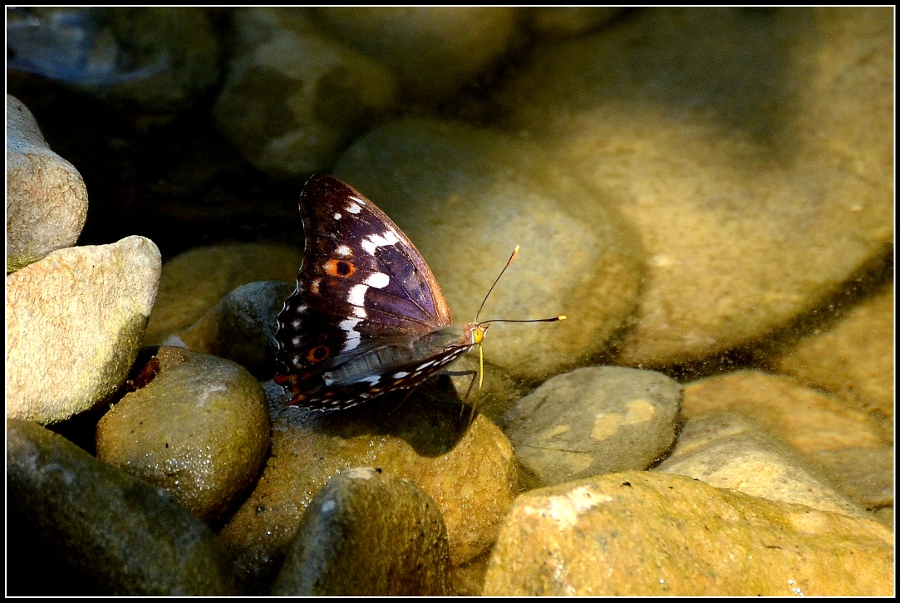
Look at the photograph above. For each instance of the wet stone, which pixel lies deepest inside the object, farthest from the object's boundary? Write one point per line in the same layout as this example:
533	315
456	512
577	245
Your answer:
199	429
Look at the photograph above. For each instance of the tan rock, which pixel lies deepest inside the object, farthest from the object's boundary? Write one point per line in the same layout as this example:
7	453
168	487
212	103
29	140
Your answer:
726	450
469	472
74	324
46	200
757	166
651	534
199	430
853	357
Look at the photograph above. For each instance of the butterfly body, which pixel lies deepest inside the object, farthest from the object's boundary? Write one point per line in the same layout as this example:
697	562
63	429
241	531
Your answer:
367	316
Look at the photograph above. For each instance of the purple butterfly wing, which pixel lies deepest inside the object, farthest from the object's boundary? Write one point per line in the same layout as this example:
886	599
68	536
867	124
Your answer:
362	282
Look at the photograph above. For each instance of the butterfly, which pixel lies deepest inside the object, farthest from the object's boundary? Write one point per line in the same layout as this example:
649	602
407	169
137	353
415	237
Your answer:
367	316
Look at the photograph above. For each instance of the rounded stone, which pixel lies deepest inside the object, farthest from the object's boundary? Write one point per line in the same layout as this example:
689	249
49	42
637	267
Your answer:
291	103
591	421
727	450
852	357
433	50
194	281
119	534
241	327
757	166
46	200
199	429
367	533
74	324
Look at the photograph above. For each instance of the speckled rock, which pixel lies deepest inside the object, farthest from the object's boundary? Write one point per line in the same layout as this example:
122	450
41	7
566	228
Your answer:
292	103
591	421
196	280
727	450
46	200
241	327
121	535
829	431
466	197
368	533
433	50
469	472
199	429
74	324
758	166
650	534
853	357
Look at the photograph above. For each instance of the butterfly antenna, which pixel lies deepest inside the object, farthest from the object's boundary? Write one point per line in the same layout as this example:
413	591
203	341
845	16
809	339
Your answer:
508	262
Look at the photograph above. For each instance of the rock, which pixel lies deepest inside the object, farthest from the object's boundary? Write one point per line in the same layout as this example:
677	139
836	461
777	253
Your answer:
74	325
853	357
241	327
726	450
291	104
865	474
649	534
199	430
196	280
433	50
468	579
468	471
367	533
122	535
809	420
569	21
757	166
829	431
591	421
149	59
466	197
46	200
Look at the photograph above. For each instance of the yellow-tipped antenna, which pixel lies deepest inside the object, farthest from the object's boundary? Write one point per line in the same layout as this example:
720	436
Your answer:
496	280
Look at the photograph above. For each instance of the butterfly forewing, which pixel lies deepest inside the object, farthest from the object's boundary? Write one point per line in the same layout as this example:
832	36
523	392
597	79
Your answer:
362	286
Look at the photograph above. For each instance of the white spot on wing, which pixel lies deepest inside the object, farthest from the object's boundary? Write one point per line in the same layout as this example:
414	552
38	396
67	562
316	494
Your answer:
379	280
349	327
357	295
359	200
353	208
399	375
373	242
337	216
343	251
359	312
